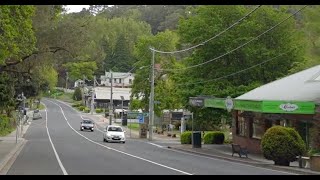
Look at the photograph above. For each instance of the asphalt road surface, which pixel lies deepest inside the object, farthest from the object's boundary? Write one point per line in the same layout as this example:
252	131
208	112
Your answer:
55	145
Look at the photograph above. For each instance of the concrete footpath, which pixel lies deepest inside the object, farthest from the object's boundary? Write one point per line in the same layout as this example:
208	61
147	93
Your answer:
11	145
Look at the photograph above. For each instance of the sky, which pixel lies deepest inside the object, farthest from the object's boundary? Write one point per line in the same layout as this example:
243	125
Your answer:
76	8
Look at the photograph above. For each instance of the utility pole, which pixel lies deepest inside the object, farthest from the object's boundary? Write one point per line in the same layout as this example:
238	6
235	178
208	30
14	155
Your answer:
67	81
151	102
111	100
83	100
92	94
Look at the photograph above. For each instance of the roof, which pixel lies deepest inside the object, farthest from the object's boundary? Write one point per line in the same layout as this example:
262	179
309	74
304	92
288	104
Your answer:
301	86
117	75
104	93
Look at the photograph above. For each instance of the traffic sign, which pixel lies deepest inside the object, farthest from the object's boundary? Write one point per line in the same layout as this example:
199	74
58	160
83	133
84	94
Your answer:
141	119
138	113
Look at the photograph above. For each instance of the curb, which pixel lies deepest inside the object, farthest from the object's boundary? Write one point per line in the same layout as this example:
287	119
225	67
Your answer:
10	157
257	164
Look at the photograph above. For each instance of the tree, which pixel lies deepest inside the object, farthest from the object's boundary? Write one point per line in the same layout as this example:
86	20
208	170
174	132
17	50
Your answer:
207	21
79	69
17	38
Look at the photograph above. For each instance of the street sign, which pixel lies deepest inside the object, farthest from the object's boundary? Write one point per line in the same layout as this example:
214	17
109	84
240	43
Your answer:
138	113
141	119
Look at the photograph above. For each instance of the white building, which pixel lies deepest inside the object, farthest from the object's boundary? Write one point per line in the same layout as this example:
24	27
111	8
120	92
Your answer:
119	79
78	83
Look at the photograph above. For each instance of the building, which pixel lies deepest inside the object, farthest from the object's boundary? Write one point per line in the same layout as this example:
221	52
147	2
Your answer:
78	83
292	101
103	95
119	79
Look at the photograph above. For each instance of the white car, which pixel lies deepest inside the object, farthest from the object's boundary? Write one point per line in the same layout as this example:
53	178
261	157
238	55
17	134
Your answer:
114	133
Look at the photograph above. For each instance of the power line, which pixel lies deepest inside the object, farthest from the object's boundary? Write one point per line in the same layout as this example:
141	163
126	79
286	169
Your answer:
204	42
238	72
200	64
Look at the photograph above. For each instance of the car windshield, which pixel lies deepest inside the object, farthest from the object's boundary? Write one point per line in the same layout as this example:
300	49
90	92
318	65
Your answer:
87	122
117	129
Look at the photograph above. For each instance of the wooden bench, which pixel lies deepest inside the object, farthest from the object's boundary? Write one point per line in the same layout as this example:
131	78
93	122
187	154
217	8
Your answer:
236	148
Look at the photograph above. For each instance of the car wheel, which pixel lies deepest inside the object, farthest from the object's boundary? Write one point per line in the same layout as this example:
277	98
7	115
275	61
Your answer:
123	142
104	140
92	130
81	129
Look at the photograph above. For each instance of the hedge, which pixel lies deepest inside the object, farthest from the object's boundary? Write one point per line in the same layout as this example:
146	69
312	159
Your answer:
214	137
99	110
282	145
86	110
81	108
185	137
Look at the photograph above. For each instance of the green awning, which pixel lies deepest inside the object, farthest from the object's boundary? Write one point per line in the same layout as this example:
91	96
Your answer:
281	107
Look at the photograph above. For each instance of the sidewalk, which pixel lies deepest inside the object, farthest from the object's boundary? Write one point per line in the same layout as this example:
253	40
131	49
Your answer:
224	151
10	146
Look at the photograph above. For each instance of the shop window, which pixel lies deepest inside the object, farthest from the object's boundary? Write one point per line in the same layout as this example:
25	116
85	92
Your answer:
257	128
241	125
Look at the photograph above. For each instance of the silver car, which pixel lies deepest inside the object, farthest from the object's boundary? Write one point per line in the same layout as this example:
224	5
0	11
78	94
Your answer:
86	125
36	114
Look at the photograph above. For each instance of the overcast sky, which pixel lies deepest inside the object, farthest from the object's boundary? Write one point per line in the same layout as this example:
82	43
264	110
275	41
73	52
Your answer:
76	8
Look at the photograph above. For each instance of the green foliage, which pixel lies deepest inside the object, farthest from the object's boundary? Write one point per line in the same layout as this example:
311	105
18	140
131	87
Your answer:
16	34
81	108
5	125
86	110
99	110
215	137
7	93
282	144
185	137
77	95
79	69
76	104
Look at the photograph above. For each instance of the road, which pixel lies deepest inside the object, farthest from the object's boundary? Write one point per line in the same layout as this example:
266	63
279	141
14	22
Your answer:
55	145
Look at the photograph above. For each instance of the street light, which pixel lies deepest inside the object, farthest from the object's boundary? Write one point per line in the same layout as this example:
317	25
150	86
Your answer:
122	99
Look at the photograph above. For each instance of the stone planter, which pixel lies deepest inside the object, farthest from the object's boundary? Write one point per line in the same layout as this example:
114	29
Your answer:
315	162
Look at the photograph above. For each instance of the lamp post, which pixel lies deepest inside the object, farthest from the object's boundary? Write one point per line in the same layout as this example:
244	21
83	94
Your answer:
122	98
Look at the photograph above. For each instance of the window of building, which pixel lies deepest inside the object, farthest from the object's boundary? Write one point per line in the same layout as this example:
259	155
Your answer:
119	80
257	127
115	80
241	126
109	80
130	81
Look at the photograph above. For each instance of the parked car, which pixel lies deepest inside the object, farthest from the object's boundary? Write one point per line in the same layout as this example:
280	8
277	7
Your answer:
36	114
87	125
114	133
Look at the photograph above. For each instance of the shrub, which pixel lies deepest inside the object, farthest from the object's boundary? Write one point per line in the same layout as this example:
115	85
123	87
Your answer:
77	95
214	137
81	108
76	105
86	110
185	137
282	145
5	125
177	125
99	110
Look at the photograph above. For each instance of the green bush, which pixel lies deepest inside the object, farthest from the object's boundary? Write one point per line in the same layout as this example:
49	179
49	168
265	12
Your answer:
185	137
77	95
86	110
99	110
5	126
282	145
214	137
81	108
76	104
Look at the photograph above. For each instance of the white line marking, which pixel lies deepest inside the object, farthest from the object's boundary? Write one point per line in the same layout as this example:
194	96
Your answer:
199	155
54	149
116	149
217	159
155	144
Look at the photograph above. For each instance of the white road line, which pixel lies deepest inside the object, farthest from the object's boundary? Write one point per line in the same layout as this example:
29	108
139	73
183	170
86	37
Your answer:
54	149
155	144
183	172
191	154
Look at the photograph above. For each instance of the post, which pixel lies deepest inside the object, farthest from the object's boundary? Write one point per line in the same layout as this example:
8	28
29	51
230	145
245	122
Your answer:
22	119
17	128
111	100
151	103
67	81
83	100
122	98
92	94
192	139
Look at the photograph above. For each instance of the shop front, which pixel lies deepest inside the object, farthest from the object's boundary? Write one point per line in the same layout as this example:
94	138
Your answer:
251	119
